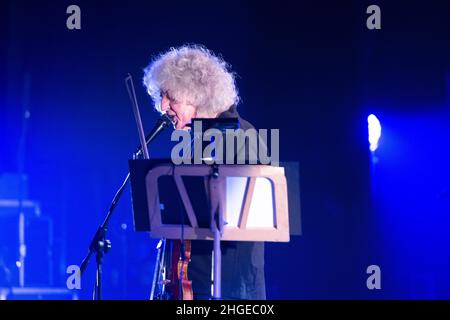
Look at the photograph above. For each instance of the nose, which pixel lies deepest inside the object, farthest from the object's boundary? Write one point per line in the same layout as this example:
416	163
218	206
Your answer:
165	107
165	104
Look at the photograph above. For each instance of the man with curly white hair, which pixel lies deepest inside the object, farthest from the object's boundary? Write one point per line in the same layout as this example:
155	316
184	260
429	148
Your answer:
189	82
192	82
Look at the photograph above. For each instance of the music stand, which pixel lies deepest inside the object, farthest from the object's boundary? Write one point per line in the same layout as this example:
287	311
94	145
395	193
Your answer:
243	202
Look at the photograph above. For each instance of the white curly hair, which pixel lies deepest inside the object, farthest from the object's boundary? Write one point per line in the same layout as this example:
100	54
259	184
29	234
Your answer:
194	75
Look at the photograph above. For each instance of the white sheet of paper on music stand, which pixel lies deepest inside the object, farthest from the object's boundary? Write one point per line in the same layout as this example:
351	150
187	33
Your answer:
261	213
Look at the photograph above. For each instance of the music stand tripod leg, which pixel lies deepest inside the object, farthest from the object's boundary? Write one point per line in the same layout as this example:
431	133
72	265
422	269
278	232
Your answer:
217	227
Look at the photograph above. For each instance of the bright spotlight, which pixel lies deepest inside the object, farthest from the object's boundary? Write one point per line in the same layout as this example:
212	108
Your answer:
374	131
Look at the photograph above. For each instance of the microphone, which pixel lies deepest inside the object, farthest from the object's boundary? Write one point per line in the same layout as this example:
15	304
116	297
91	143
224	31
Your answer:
163	122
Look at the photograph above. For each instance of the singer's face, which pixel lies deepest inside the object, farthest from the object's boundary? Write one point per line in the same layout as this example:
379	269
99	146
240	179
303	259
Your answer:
182	113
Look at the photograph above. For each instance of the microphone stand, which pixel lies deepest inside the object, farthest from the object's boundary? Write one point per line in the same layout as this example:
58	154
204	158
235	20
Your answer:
100	245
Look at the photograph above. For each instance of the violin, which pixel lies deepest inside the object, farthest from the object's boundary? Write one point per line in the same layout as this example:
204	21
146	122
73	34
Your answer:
177	284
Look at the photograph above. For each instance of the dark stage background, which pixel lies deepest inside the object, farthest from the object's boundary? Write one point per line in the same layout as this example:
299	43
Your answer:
310	68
